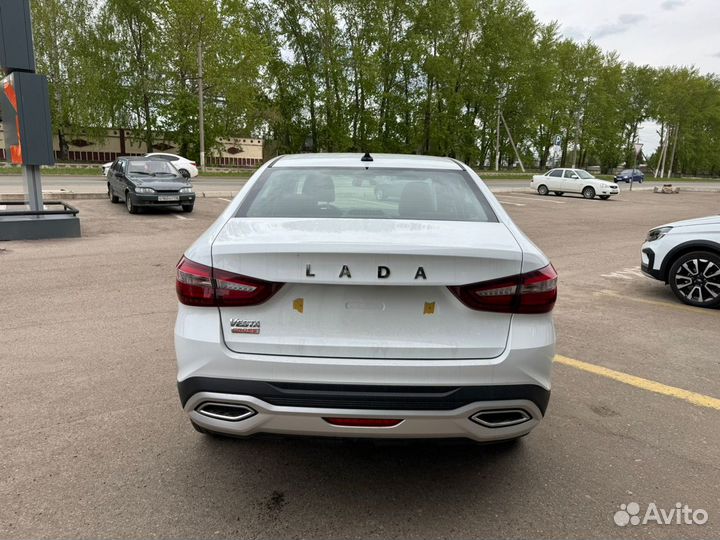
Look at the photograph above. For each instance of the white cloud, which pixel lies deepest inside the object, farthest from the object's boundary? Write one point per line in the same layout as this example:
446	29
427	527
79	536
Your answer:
624	22
669	5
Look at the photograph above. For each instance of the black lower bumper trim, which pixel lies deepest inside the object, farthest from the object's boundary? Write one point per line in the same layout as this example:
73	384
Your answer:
648	268
345	396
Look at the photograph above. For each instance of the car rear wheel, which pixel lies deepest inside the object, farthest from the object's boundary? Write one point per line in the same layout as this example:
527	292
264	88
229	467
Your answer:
588	193
187	207
113	198
184	173
129	204
559	193
695	279
543	189
604	197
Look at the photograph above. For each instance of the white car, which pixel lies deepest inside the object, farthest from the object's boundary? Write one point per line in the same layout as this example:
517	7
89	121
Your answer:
561	181
312	308
686	255
184	166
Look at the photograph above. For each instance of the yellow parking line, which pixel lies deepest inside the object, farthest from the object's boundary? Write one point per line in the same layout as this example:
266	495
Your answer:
678	306
700	400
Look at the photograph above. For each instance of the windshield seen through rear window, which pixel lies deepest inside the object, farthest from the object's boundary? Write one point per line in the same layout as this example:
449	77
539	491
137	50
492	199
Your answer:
367	193
151	167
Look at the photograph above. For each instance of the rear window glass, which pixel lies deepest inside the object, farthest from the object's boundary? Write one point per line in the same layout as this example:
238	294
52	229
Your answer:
367	193
151	167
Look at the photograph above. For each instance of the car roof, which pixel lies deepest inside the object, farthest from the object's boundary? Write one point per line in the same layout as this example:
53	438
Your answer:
393	161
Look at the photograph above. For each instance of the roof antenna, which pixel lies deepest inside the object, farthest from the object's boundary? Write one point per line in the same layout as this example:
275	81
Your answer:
366	157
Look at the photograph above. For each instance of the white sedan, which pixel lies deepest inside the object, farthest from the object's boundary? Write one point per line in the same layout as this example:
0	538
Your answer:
686	255
561	181
310	307
184	166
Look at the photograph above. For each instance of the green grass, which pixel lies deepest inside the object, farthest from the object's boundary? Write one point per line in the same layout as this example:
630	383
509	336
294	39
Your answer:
245	173
54	171
95	171
520	177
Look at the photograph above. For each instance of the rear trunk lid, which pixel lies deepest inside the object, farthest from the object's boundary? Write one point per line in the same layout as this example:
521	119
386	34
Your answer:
367	289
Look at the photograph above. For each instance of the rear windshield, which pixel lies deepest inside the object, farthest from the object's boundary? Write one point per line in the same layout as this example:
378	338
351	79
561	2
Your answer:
438	195
151	167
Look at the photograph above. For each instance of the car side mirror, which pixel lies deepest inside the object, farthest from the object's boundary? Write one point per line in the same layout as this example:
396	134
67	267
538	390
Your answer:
575	176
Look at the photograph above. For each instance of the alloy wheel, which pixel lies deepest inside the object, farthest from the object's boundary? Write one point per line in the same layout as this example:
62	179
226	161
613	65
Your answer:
698	280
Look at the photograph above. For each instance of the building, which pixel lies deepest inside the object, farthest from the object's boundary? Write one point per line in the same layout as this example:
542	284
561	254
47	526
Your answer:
85	148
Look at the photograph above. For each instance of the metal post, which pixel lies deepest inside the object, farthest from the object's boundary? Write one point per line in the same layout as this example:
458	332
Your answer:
637	148
200	98
517	154
576	142
33	187
497	140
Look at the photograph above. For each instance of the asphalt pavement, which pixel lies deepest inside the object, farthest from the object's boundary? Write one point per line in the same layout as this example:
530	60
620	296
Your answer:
96	184
95	444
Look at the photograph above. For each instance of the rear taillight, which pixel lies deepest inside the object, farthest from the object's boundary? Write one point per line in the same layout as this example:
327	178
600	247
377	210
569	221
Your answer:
194	284
200	285
534	292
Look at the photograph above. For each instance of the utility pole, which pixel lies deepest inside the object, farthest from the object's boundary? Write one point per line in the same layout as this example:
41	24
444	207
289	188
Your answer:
201	115
638	148
672	153
576	142
497	140
517	154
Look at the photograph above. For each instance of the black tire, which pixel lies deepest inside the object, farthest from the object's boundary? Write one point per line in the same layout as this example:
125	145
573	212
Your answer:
380	194
111	195
129	204
206	432
184	173
199	429
559	193
543	189
604	197
588	192
688	278
187	207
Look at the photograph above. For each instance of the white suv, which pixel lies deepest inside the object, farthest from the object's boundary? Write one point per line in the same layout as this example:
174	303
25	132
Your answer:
310	307
686	254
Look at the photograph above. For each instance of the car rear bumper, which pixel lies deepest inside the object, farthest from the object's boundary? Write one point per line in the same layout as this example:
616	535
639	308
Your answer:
430	392
408	424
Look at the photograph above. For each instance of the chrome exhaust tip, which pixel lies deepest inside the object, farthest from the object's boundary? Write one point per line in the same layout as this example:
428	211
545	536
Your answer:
229	412
501	418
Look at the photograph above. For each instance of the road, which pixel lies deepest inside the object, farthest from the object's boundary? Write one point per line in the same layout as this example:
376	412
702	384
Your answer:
95	184
95	444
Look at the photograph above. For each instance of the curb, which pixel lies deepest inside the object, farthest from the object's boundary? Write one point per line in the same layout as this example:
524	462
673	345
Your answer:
89	196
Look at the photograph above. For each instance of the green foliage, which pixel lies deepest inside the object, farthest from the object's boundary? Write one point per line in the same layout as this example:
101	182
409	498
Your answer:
413	76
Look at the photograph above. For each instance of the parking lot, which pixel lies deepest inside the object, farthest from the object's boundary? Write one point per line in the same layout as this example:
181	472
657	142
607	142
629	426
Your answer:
95	444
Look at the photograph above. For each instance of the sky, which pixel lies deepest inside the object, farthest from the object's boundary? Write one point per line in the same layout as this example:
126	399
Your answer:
654	32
